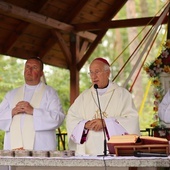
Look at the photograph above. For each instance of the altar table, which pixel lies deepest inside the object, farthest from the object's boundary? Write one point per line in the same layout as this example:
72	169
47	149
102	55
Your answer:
85	163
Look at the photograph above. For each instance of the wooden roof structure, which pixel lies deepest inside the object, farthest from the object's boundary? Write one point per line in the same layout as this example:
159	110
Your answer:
63	33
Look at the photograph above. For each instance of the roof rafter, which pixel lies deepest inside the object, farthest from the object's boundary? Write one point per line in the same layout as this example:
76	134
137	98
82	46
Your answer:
20	29
63	46
14	37
108	16
135	22
75	11
35	18
47	46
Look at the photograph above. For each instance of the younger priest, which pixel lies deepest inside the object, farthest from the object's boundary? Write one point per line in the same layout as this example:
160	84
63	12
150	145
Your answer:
83	121
30	114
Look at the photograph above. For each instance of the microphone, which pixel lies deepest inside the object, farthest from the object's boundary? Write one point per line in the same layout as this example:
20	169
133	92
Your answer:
96	86
145	154
105	146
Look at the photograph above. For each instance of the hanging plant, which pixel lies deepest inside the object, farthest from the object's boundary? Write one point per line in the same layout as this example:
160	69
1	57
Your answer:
160	65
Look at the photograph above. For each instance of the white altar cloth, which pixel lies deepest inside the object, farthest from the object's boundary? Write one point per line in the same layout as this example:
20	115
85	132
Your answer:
84	162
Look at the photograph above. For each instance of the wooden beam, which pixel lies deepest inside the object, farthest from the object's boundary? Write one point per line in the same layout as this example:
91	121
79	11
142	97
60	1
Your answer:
14	36
135	22
40	5
47	46
52	60
78	5
74	72
84	48
75	47
108	16
86	35
74	84
63	45
32	17
90	50
38	19
19	30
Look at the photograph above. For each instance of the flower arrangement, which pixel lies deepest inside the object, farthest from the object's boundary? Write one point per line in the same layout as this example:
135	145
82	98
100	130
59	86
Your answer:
159	65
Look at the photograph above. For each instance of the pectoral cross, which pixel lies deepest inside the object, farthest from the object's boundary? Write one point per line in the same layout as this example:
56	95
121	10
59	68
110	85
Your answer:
97	114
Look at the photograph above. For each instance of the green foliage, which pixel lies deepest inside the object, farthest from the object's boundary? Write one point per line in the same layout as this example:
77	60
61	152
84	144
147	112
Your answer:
11	74
12	77
11	69
59	79
1	139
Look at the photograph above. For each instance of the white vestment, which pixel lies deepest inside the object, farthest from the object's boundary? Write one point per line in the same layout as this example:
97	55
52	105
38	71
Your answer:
23	137
46	118
164	109
120	116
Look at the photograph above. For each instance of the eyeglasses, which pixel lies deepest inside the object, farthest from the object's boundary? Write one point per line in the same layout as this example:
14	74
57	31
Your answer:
95	73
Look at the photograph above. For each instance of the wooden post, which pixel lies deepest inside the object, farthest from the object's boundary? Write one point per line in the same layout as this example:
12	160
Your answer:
74	72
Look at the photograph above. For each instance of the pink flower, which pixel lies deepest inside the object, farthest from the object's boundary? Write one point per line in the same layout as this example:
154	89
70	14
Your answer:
165	54
156	103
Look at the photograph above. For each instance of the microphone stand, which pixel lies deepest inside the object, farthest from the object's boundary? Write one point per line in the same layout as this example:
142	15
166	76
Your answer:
105	143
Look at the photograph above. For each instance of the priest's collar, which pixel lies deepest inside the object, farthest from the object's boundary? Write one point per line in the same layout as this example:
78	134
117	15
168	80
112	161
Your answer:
31	86
102	91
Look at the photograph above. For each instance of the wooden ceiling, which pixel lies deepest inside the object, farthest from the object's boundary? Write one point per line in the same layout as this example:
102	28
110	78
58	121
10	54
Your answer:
63	33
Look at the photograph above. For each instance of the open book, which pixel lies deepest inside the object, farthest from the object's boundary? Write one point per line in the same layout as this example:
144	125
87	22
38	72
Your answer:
135	142
135	139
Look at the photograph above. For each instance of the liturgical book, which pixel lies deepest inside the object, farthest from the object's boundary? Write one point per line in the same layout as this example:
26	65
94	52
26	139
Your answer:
127	144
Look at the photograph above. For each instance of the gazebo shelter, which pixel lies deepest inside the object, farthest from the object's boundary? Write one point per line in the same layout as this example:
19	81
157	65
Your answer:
63	33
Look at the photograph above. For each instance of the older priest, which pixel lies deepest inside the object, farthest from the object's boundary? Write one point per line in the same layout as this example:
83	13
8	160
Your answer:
83	121
30	114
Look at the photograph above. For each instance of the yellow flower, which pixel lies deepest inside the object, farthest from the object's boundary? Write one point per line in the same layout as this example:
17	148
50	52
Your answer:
159	65
146	68
158	62
154	124
167	44
157	95
166	69
156	82
155	108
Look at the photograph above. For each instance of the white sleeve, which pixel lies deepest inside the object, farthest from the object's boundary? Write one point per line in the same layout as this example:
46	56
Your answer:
77	132
5	115
164	108
50	114
114	128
